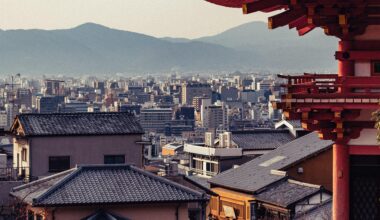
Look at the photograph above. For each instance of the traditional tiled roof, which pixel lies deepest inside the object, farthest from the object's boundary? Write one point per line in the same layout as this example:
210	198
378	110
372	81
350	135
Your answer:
265	139
256	174
57	124
106	184
287	192
321	212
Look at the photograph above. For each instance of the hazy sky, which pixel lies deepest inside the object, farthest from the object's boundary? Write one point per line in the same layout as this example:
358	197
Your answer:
175	18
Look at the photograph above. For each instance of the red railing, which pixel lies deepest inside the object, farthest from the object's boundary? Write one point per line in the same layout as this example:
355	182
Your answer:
332	86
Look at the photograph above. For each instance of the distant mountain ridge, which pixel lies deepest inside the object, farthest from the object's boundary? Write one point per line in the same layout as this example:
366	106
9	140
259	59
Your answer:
96	49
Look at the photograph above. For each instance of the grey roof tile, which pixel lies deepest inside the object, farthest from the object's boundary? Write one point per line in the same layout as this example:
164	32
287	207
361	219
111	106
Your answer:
111	184
261	139
256	173
104	123
321	212
286	192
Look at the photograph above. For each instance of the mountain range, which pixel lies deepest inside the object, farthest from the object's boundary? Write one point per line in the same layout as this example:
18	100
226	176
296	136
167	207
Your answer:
95	49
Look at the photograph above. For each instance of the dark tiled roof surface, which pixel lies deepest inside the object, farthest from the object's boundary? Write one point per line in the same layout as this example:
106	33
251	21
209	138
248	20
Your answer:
105	123
287	192
37	188
201	181
256	173
321	212
112	184
261	139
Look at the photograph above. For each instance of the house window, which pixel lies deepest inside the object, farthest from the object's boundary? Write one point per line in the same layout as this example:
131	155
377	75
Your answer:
376	67
39	217
59	163
114	159
23	154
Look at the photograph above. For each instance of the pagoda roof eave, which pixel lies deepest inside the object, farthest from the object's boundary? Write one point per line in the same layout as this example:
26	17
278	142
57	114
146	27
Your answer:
228	3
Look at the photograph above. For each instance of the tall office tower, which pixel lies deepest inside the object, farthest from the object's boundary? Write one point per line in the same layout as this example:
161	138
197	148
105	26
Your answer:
194	89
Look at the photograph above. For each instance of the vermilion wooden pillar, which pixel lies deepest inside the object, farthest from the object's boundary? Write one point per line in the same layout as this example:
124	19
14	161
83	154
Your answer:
341	157
341	180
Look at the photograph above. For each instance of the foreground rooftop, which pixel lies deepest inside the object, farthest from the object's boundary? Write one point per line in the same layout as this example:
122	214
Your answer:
63	124
104	184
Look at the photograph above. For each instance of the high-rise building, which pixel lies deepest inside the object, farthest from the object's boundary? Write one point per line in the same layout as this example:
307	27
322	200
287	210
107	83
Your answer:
11	111
24	97
215	118
48	104
53	87
229	93
194	89
155	119
4	120
99	85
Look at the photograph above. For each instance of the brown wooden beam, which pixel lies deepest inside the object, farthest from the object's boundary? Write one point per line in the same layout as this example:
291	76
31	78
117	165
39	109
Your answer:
285	18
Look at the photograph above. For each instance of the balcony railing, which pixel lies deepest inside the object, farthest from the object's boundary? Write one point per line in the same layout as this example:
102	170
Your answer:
332	85
323	89
16	174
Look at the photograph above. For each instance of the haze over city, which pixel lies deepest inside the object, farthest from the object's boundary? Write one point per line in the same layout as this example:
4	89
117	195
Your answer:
159	18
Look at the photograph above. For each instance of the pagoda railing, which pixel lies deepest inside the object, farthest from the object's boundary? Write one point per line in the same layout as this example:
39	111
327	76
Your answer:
332	86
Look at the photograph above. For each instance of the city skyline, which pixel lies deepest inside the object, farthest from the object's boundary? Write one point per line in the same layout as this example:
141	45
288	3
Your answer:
161	18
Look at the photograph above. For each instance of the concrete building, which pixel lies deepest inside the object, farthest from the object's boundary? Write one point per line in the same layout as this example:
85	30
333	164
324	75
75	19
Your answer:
214	117
229	93
4	120
251	96
194	89
24	97
155	119
214	155
53	87
48	104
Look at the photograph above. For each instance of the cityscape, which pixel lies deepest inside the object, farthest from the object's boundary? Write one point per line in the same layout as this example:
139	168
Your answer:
195	128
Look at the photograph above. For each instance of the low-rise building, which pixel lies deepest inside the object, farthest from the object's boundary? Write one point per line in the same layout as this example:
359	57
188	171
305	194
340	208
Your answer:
117	191
245	191
49	143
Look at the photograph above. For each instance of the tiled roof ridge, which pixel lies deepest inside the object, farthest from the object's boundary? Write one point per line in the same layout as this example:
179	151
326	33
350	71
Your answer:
278	172
258	131
82	168
44	179
265	188
75	113
166	181
304	184
314	208
56	186
289	180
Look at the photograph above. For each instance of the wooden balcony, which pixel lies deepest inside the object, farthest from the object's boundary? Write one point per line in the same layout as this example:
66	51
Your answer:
326	91
331	104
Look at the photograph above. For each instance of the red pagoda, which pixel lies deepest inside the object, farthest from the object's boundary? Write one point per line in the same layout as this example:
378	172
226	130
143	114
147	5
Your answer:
337	106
